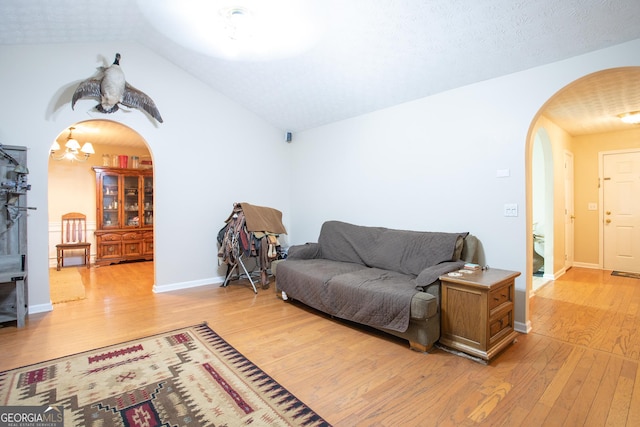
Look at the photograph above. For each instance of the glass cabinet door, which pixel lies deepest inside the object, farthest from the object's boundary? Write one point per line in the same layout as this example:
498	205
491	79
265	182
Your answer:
147	200
131	201
110	201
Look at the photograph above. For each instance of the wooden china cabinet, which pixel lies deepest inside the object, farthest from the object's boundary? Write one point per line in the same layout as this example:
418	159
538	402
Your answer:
124	215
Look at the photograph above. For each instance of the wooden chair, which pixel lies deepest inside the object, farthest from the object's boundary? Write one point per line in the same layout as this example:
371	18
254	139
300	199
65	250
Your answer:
74	237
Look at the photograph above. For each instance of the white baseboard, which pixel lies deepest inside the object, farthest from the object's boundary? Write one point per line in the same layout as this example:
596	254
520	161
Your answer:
536	289
554	276
557	274
186	285
40	308
587	265
525	328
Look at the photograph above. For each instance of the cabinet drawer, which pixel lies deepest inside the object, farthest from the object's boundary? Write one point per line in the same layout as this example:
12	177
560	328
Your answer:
110	237
500	296
131	236
500	323
132	248
147	247
110	250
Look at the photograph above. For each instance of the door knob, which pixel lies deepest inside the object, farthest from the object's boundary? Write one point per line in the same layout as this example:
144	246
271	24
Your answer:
608	221
608	212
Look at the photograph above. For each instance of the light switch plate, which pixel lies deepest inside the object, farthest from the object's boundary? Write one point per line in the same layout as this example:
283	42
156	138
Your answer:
511	209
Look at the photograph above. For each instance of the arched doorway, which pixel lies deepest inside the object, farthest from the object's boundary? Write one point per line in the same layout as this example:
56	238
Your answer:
581	119
72	183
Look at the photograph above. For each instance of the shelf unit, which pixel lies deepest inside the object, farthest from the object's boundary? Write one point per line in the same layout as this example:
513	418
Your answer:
13	235
124	215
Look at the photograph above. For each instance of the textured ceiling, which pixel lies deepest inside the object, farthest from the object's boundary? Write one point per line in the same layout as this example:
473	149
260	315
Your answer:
376	53
592	104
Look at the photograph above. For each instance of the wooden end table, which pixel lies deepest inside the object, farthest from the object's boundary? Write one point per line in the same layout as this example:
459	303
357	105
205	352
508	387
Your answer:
477	311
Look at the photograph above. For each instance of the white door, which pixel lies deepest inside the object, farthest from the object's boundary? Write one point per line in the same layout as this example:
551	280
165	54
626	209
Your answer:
621	211
569	212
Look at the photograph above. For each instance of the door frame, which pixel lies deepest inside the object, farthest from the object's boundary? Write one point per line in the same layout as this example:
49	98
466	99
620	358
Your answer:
569	209
601	155
542	138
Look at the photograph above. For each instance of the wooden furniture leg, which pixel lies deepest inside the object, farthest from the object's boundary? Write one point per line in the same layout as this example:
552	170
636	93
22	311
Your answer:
59	258
419	347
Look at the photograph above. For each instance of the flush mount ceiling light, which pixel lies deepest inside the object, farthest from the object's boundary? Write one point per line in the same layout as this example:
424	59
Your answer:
240	29
632	118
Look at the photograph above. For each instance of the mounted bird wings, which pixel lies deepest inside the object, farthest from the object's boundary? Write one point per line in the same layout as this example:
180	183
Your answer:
111	89
135	98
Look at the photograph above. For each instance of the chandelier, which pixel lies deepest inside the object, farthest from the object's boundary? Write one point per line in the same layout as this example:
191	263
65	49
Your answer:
72	150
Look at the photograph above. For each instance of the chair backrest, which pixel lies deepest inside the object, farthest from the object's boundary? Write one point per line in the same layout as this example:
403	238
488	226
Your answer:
74	228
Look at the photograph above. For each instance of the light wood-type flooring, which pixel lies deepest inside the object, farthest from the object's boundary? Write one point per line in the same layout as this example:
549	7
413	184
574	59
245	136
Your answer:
579	365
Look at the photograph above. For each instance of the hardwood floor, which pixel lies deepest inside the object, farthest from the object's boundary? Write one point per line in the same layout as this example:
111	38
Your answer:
579	366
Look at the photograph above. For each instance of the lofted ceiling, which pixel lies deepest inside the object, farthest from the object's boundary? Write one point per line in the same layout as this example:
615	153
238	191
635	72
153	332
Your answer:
376	53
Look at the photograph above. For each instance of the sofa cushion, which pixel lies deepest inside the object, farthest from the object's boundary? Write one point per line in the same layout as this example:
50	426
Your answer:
407	252
305	279
372	296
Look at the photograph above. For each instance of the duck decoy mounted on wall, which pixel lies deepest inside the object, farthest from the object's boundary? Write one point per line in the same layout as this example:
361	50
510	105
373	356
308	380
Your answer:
111	88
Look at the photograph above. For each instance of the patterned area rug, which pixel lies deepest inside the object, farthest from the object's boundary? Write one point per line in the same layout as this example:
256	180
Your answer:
187	377
625	274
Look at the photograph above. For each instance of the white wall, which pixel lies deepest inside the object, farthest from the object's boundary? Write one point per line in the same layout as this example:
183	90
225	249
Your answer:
208	153
431	164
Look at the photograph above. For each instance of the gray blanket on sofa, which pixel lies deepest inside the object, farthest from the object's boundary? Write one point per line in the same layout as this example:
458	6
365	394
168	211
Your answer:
373	297
378	296
407	252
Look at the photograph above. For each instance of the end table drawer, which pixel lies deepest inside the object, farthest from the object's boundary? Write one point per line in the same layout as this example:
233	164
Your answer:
500	296
501	323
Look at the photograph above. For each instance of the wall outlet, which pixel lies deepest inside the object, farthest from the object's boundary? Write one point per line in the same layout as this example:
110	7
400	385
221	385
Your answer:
511	209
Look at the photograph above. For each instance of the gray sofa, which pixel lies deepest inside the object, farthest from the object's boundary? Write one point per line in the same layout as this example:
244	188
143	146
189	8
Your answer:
383	278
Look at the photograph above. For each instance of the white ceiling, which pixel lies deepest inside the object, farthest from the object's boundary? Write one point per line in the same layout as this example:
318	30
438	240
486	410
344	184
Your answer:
376	53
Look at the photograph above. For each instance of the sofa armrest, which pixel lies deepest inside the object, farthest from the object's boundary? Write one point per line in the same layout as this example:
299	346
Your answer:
431	274
424	306
306	251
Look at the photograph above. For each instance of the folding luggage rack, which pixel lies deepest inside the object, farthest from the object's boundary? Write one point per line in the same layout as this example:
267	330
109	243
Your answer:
250	232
